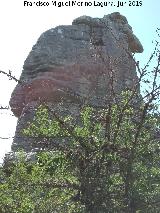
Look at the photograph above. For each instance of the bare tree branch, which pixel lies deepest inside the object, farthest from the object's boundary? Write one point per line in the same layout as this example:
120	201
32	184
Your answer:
10	76
6	107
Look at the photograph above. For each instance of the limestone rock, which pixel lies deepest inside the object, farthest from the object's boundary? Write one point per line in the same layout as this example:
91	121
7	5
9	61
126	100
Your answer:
72	63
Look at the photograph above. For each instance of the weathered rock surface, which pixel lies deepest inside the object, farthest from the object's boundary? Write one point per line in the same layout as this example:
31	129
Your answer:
73	63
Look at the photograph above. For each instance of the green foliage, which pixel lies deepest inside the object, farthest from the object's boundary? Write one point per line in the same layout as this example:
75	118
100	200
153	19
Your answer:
110	163
42	126
38	186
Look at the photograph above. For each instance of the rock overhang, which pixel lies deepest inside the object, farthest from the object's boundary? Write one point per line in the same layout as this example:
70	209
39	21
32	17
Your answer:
72	63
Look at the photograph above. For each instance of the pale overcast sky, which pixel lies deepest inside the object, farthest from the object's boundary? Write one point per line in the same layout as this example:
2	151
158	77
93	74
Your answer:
20	27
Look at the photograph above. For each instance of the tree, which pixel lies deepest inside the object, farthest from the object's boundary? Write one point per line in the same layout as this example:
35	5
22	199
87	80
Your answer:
109	161
94	171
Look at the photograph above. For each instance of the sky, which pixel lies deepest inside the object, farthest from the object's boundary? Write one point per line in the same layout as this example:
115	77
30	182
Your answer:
21	26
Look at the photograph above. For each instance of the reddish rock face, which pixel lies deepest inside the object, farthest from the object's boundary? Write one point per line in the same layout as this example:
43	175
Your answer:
67	82
53	85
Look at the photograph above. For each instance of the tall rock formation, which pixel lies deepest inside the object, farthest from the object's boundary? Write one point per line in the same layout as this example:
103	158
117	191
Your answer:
72	64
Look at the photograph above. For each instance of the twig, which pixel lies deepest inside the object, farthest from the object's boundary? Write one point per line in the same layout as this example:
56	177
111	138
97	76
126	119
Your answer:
11	77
